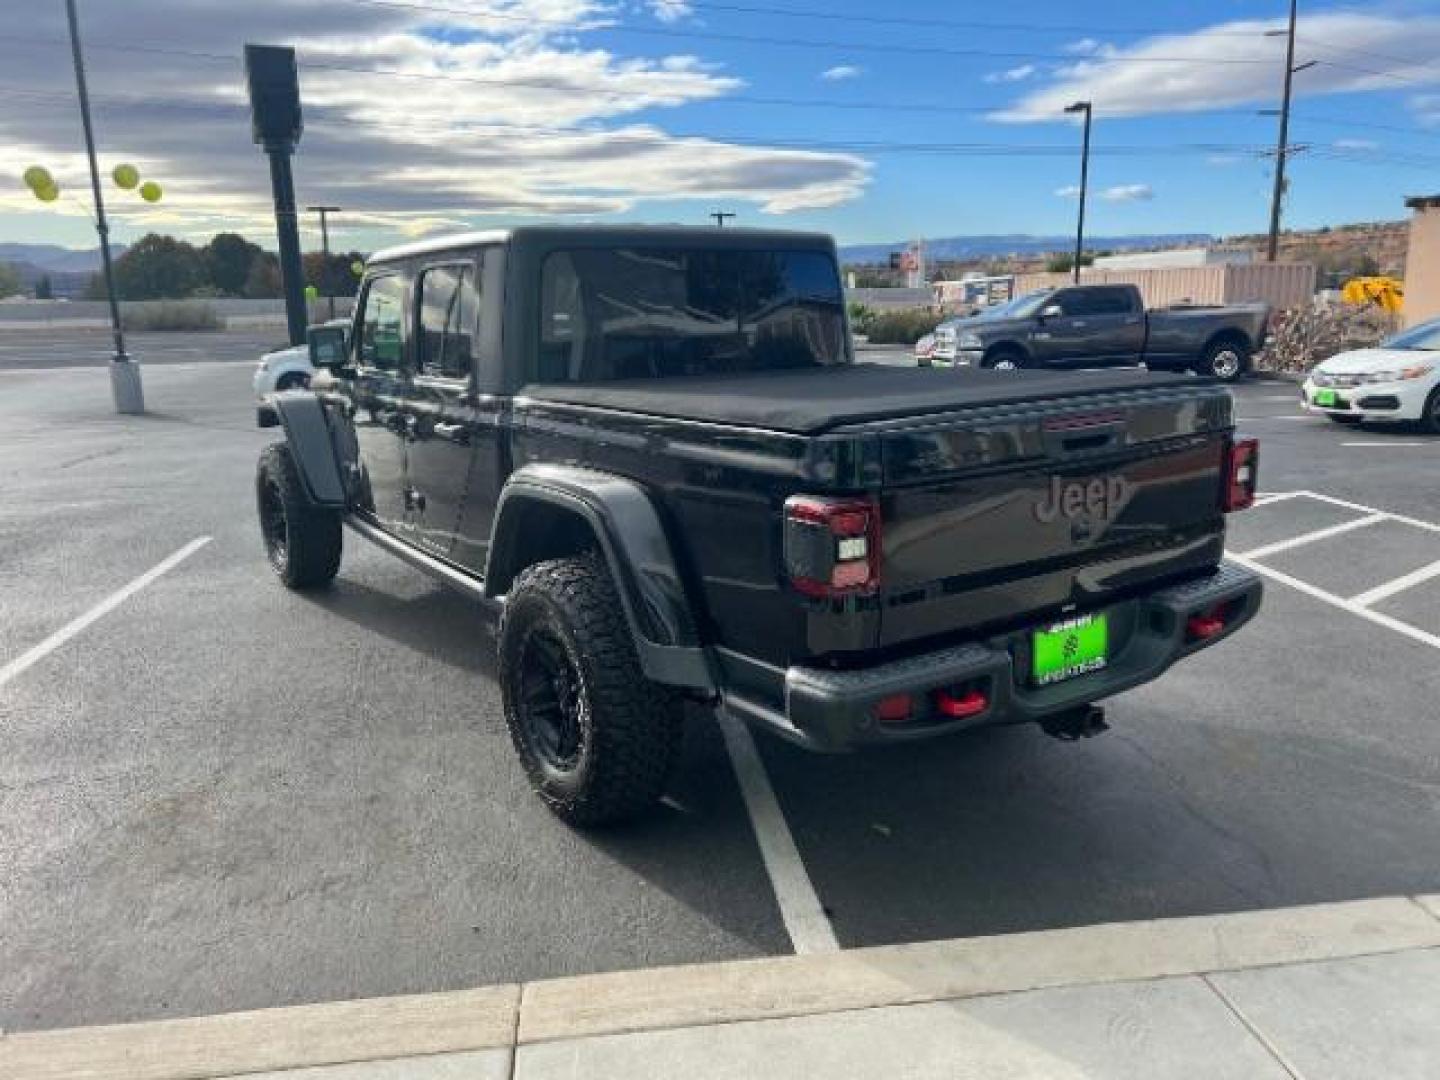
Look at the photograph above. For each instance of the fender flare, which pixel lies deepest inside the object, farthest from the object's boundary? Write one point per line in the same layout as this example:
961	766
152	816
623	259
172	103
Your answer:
634	544
312	444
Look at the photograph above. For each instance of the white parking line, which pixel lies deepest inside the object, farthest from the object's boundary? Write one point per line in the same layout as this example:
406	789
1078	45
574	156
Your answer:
1384	444
1411	632
800	909
1318	534
1361	508
1371	597
1277	496
33	656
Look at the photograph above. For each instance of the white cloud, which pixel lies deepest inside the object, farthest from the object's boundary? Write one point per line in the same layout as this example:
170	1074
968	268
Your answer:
1089	47
841	72
1119	193
1222	160
669	11
1355	144
505	114
1015	74
1123	193
1426	108
1235	63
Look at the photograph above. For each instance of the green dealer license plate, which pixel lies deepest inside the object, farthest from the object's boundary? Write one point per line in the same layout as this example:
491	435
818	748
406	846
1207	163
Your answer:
1325	399
1074	647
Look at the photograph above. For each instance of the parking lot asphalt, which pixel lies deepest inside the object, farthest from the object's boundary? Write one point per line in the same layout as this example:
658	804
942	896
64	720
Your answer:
29	347
219	795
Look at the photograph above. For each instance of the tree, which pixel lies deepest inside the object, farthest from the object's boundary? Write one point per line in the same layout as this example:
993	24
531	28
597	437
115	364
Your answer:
228	259
159	267
263	281
1060	264
44	289
333	276
10	282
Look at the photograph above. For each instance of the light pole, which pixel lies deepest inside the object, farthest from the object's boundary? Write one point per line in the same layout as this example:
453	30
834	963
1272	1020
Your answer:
325	212
1081	107
721	216
125	386
1282	147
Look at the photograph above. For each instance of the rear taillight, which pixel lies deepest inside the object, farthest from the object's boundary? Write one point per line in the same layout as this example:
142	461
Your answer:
1242	475
832	546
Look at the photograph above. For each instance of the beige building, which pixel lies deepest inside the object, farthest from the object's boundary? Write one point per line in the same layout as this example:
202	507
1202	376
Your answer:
1422	263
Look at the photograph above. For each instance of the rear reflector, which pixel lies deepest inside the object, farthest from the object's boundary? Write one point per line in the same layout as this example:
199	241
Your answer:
1242	475
1206	625
894	709
971	703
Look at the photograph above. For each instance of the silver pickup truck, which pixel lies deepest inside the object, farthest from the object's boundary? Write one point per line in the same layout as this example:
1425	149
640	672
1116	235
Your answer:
1102	325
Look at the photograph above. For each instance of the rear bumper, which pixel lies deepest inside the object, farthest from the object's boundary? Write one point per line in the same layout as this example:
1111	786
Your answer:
830	710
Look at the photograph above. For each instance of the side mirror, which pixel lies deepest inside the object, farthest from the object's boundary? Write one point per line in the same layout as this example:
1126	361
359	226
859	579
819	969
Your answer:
327	346
1051	311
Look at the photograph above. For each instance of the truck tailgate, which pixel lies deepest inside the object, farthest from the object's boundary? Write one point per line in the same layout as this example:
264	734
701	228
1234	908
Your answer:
1001	515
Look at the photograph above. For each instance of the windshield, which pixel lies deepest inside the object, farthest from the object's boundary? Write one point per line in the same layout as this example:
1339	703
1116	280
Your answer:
629	314
1422	338
1019	308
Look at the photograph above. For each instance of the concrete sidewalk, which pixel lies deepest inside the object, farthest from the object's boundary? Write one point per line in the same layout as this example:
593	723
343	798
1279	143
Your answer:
1318	993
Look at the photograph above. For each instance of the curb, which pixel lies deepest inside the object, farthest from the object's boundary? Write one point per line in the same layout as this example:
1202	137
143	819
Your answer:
503	1017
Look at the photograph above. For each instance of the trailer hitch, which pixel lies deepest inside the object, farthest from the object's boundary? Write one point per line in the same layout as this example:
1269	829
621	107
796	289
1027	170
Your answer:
1082	722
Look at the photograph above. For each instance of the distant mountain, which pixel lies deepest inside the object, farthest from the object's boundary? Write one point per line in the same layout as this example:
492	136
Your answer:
983	247
52	258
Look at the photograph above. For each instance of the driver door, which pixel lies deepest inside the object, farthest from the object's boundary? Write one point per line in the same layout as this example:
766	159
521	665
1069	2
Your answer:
379	391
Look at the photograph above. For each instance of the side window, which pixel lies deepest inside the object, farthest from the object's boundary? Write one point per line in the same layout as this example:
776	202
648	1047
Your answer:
449	319
382	324
1110	302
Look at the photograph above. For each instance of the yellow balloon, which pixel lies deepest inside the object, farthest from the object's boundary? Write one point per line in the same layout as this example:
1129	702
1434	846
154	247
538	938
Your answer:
37	177
357	268
151	192
126	176
47	192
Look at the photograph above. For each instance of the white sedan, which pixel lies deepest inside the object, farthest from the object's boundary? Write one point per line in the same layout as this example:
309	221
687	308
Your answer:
288	369
1398	380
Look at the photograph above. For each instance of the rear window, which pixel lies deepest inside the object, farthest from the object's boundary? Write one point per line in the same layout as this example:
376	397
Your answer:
638	313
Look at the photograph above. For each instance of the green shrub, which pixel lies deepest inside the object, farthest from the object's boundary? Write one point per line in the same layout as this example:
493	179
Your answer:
902	327
861	317
171	315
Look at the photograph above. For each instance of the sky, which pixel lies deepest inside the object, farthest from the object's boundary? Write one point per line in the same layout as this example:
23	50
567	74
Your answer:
871	122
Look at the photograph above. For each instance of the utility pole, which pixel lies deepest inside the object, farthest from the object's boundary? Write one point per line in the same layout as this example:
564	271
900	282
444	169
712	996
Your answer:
276	124
1086	108
325	212
125	385
1273	246
721	216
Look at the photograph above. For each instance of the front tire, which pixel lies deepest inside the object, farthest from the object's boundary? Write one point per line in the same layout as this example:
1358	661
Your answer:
1430	419
1227	360
1004	360
302	541
597	739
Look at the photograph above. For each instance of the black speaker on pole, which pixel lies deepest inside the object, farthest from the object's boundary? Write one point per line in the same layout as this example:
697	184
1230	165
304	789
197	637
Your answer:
274	82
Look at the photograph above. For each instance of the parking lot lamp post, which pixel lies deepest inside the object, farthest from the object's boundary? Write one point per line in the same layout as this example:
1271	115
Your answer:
125	386
325	212
1081	107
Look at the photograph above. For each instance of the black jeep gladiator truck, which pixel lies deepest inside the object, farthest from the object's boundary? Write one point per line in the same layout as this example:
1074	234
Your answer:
1105	325
651	453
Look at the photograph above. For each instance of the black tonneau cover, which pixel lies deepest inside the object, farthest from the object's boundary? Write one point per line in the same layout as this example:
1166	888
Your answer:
814	400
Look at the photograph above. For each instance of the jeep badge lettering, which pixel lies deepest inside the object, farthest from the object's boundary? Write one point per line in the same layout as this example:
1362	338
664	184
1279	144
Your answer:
1095	498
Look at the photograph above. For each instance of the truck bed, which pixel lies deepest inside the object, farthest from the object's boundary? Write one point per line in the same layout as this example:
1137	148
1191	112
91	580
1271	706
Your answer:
815	400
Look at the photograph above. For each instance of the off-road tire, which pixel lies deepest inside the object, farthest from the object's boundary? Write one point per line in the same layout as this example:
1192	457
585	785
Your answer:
629	729
1225	359
301	541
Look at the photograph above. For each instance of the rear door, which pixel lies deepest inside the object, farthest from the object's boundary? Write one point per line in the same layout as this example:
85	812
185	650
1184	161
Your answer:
379	392
441	412
1100	324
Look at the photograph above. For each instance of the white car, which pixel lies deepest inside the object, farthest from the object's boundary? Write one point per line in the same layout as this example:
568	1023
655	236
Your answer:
288	369
1398	380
